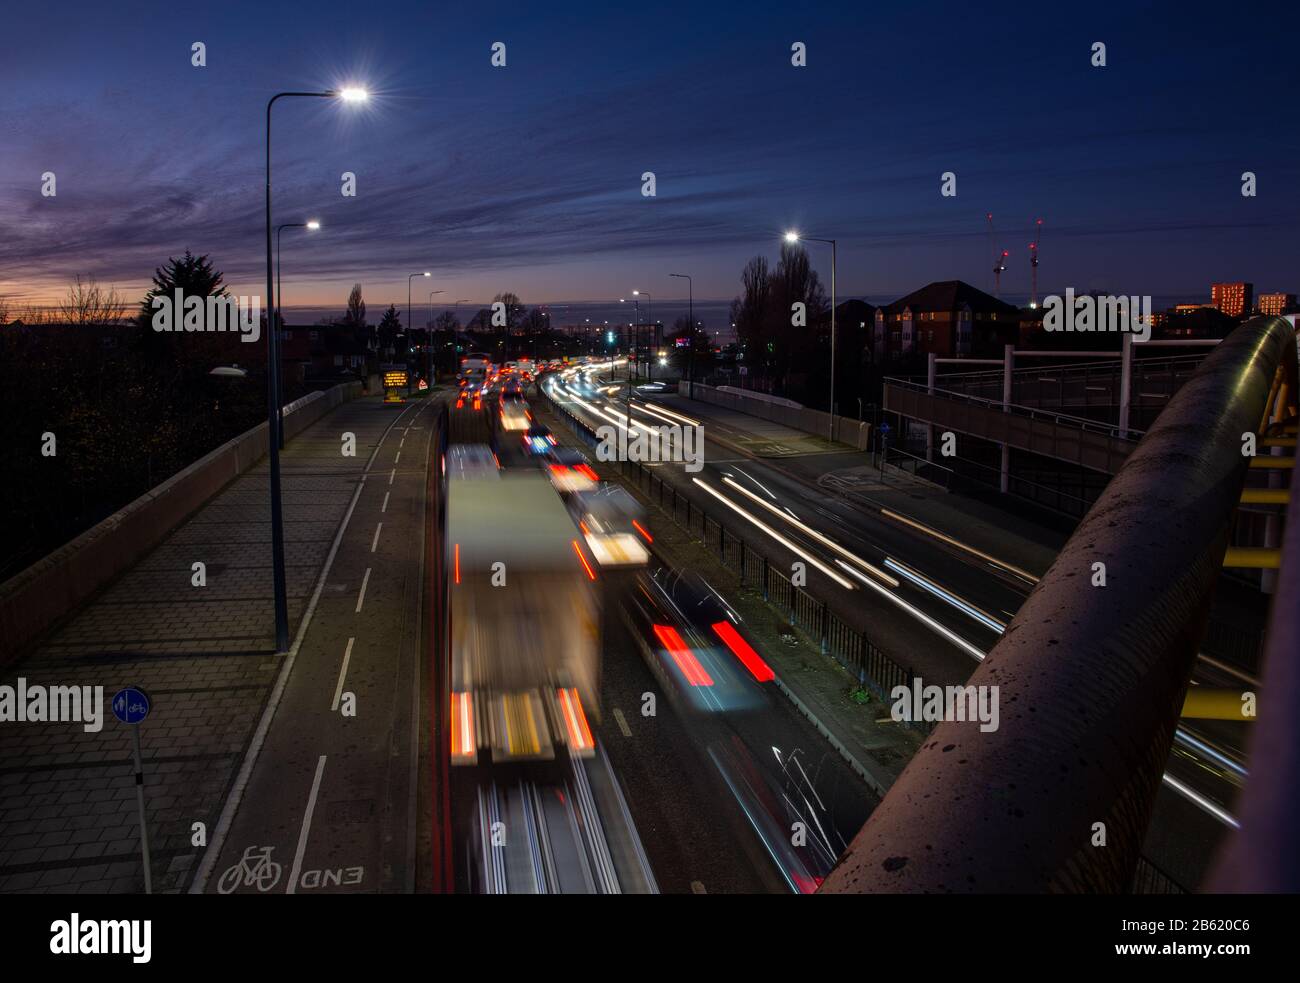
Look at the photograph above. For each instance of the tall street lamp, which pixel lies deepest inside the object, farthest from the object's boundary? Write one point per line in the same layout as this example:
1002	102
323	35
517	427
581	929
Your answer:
455	333
636	342
795	237
311	225
272	350
690	351
428	338
650	313
409	326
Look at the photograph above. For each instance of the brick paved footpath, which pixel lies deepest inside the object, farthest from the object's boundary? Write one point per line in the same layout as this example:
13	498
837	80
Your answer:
68	814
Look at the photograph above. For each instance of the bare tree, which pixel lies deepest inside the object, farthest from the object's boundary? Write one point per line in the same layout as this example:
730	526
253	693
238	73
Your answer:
4	309
33	314
88	302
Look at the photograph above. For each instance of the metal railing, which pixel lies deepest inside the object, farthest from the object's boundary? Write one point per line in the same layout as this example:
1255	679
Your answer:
1017	409
1093	678
1141	367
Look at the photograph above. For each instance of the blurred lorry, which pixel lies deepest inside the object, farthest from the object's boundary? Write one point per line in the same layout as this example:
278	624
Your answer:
525	626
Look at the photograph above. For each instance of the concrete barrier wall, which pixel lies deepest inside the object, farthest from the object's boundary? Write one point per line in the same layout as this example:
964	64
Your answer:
787	412
57	584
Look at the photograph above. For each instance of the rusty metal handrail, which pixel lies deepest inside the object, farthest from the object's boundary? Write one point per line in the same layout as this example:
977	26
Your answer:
1090	679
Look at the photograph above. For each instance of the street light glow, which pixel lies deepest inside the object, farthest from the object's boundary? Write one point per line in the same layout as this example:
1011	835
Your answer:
792	237
353	94
313	225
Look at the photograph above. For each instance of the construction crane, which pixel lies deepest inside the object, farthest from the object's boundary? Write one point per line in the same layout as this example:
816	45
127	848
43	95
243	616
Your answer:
1033	262
999	260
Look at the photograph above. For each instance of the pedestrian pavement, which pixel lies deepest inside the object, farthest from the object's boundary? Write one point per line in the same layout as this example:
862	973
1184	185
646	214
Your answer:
205	656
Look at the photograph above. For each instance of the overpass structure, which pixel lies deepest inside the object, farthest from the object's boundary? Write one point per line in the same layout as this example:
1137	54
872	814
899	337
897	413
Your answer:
1093	671
1088	412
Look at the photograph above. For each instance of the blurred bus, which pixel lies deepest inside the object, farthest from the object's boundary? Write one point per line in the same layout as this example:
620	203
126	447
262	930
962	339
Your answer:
475	369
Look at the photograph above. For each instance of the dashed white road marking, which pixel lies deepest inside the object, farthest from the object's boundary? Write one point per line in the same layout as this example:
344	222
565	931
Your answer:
343	674
375	543
361	598
384	507
622	722
397	458
296	872
391	475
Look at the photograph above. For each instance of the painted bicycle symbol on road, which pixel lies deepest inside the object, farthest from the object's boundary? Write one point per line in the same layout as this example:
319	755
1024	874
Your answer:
255	868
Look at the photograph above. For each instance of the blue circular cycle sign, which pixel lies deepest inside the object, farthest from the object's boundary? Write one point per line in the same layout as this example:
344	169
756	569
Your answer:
130	705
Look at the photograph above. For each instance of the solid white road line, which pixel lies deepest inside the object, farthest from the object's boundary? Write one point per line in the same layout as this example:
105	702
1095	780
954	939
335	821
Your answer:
306	829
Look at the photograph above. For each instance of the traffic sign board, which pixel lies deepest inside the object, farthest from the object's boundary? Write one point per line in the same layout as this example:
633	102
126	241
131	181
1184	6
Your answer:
130	705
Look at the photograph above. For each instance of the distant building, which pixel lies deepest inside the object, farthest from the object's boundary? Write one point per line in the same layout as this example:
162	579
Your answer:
322	351
1233	299
947	318
1198	321
1275	305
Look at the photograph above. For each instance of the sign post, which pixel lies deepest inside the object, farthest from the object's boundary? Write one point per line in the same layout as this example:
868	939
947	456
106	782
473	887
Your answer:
131	705
884	447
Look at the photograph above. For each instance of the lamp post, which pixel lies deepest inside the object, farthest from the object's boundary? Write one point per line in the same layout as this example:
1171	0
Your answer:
428	339
272	351
650	313
409	326
311	225
690	350
795	237
455	334
633	358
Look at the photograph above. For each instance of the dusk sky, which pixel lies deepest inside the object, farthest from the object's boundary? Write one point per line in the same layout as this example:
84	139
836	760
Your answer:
528	178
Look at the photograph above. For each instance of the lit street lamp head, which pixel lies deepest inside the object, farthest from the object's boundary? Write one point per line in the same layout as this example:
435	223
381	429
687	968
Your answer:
313	225
352	94
792	237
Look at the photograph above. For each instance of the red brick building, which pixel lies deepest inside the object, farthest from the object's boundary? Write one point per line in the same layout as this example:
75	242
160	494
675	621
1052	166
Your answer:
948	318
